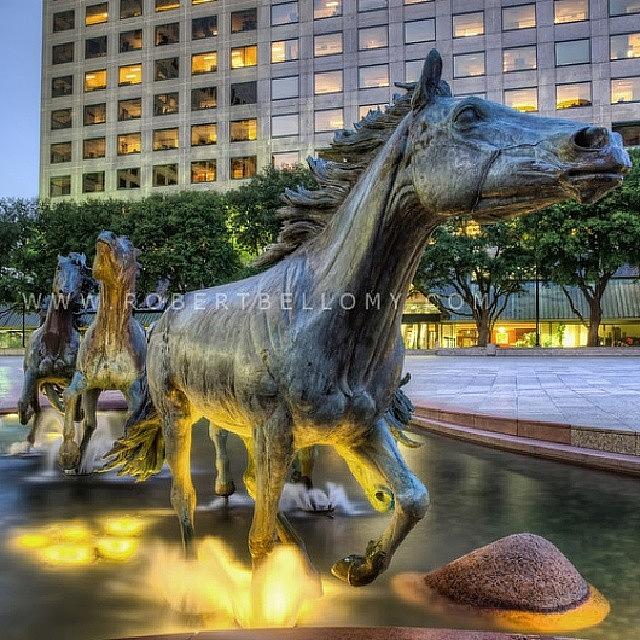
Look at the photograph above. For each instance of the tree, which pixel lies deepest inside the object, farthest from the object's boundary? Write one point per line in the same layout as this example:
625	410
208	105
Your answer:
582	246
483	266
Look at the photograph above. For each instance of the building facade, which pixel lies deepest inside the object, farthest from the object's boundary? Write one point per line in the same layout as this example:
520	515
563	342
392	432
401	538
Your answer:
144	96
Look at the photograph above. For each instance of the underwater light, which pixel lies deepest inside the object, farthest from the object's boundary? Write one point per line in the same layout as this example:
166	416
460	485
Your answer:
124	526
68	554
119	549
31	540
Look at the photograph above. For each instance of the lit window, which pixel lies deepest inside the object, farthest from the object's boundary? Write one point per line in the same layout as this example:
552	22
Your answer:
326	8
203	171
287	87
165	175
62	53
61	119
577	94
525	99
373	37
365	109
95	114
285	125
60	152
412	70
630	132
130	9
95	47
204	98
623	7
286	13
415	1
284	50
243	93
64	20
206	62
205	27
327	44
93	182
128	178
285	160
246	20
520	17
167	69
131	40
570	11
243	168
130	109
60	186
94	148
625	90
167	5
166	104
468	24
61	86
129	74
370	5
244	56
197	2
467	65
97	14
167	34
376	75
129	143
519	59
573	52
204	134
243	130
328	120
327	82
626	45
165	139
95	80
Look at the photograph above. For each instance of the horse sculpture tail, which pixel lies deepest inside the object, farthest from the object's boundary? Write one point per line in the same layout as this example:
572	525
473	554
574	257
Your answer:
140	451
399	415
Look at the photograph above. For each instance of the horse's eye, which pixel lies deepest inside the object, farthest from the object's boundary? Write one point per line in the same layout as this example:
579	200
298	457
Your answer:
466	116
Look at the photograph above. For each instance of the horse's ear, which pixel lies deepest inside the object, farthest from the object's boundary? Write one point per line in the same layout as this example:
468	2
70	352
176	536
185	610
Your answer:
429	83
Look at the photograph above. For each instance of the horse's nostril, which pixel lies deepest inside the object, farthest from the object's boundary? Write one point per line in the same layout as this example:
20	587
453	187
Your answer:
591	138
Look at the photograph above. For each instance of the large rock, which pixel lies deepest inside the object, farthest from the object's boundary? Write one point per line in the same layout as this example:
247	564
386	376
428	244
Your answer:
520	572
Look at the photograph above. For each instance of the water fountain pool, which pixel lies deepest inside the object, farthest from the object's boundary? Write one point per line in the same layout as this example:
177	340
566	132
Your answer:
478	495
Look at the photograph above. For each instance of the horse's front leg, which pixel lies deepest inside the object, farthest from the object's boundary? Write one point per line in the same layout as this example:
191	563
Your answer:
378	455
89	423
69	454
303	467
224	485
28	397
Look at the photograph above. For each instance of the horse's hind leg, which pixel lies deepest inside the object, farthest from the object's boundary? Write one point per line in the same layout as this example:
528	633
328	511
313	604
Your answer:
28	397
224	485
378	454
90	421
303	467
69	454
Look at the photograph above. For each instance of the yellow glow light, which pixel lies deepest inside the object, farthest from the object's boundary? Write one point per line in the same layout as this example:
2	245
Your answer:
125	526
72	531
68	554
31	540
119	549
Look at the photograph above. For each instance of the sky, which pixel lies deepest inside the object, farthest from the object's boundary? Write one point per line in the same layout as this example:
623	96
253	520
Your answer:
20	46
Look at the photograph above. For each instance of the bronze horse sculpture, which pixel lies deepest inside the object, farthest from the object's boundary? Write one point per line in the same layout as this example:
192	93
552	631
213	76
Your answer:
309	351
50	356
112	354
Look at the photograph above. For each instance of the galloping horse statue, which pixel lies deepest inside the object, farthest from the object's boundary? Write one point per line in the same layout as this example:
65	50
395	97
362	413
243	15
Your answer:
50	357
309	351
112	354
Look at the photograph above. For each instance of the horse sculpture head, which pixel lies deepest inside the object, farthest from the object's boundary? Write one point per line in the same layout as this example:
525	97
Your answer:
115	260
473	157
72	280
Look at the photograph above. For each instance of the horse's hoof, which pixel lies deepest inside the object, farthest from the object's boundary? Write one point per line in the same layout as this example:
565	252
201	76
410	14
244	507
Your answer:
224	489
354	570
69	456
25	413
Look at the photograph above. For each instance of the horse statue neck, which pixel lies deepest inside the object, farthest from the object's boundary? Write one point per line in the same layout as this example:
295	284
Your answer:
115	309
58	325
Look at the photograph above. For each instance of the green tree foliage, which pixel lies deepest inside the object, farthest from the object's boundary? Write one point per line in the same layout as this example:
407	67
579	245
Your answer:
482	266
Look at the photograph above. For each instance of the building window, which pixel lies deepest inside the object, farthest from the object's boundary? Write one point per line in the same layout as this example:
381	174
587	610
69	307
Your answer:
167	69
630	132
525	99
165	139
243	130
129	75
95	80
327	44
129	143
61	119
61	86
64	20
373	37
519	59
243	93
131	40
570	11
284	50
573	52
93	182
95	47
167	34
94	114
197	2
468	24
370	5
327	82
626	45
576	94
420	31
167	5
60	186
96	14
286	13
165	175
203	135
166	104
130	9
285	125
623	7
129	109
60	152
328	120
205	27
246	20
204	98
203	171
243	168
94	148
520	17
244	56
625	90
287	87
412	70
365	109
326	9
375	75
466	65
285	160
206	62
128	178
62	53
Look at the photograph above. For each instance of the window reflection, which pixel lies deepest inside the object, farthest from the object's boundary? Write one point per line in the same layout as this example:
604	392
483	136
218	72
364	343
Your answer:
287	87
129	75
165	104
623	7
573	52
130	9
326	8
525	99
468	64
285	160
630	132
167	69
97	14
420	31
243	130
286	13
284	50
519	59
205	27
167	34
165	139
577	94
62	53
94	148
243	168
373	37
373	76
327	44
244	93
95	114
468	24
328	120
520	17
204	134
128	178
244	56
203	171
61	119
60	152
64	20
59	186
327	82
93	182
130	109
128	144
626	45
285	125
95	80
246	20
95	47
165	175
625	90
204	98
570	11
61	86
